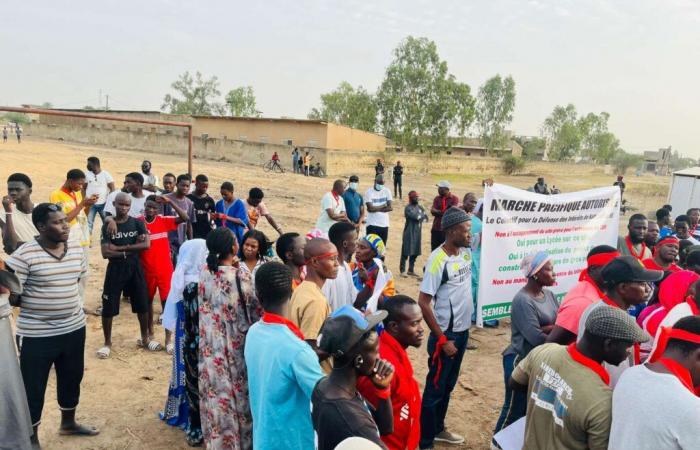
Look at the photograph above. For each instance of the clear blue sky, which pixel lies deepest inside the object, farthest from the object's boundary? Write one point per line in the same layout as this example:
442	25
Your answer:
637	60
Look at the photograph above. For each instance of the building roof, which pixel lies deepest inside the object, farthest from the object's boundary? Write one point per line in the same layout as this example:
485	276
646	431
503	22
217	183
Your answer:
689	172
263	119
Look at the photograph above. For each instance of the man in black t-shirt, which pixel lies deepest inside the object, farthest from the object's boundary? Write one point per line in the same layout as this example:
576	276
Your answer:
124	273
398	175
204	207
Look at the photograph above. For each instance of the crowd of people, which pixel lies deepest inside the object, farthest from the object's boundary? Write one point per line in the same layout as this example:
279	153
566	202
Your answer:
301	343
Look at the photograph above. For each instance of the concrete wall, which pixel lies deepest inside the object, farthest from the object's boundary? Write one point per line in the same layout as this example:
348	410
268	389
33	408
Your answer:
173	144
301	133
342	137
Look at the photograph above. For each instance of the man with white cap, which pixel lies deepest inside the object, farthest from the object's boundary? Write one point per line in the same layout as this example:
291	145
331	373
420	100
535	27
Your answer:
444	201
569	398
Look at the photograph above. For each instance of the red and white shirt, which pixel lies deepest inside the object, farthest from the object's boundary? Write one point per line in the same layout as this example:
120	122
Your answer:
157	258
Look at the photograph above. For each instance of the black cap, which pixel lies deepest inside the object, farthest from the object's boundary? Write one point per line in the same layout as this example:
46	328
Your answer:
344	328
625	269
354	178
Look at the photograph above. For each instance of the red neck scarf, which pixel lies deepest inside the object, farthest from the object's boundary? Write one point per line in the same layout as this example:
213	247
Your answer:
269	317
631	249
336	197
71	194
588	362
679	372
690	300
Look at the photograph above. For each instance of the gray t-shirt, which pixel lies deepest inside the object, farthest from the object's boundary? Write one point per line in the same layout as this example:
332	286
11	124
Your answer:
528	316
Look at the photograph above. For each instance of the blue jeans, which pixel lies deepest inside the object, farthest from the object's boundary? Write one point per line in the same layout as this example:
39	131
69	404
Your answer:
515	402
95	210
437	398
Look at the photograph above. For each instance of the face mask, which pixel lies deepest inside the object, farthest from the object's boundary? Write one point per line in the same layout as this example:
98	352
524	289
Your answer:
414	201
353	186
378	187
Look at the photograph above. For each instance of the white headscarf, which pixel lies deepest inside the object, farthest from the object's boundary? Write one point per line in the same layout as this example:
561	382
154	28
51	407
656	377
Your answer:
190	261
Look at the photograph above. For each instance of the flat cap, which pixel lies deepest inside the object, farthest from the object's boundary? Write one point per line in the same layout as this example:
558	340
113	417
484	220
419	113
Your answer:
613	323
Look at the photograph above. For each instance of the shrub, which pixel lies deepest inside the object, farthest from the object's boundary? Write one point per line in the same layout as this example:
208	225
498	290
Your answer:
513	164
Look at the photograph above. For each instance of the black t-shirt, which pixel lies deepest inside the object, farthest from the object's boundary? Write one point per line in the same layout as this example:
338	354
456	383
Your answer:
202	207
336	419
398	171
127	234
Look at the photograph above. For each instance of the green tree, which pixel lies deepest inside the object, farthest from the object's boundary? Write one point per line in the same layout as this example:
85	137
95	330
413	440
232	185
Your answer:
194	95
46	105
563	132
241	102
14	117
494	111
346	105
623	161
419	102
532	146
597	142
513	164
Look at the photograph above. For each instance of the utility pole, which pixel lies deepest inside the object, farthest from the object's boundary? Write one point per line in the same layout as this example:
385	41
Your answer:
107	102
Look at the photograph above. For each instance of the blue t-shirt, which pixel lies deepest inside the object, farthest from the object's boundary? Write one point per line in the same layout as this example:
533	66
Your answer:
282	373
353	204
237	210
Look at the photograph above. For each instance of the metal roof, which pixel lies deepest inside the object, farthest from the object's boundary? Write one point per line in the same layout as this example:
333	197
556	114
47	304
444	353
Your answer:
689	172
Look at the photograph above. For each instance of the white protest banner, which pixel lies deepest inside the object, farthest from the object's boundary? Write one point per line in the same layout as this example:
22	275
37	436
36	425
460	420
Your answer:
517	223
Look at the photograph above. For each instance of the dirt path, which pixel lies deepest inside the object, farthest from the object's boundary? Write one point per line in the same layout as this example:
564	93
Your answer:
123	395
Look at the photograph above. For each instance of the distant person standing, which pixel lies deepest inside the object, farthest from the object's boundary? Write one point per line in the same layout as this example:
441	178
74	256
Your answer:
204	207
231	212
444	201
378	201
184	229
332	207
18	131
307	163
150	180
257	209
411	247
4	135
379	168
98	182
295	160
354	204
620	184
398	174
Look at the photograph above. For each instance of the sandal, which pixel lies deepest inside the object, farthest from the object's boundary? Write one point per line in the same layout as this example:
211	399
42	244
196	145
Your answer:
170	348
152	346
104	352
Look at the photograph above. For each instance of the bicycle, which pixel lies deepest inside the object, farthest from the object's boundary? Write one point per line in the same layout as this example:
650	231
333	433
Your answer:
273	166
317	171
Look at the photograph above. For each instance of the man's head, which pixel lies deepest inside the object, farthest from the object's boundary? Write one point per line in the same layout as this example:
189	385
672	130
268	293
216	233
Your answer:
93	164
169	182
619	178
663	217
443	188
469	202
681	347
413	197
627	279
51	222
404	320
338	187
349	337
354	182
667	249
610	332
692	261
133	182
668	207
379	161
146	167
694	216
379	181
540	180
652	234
75	179
344	236
637	228
201	184
273	286
255	196
19	187
183	184
456	225
682	226
122	204
151	207
226	191
321	258
398	163
598	257
290	249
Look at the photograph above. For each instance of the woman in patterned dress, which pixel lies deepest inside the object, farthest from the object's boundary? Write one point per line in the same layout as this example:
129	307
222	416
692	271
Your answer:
227	309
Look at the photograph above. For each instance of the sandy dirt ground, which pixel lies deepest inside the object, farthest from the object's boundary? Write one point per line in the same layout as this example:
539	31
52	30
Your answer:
123	395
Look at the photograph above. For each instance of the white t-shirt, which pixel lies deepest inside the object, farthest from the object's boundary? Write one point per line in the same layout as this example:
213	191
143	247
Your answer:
97	184
653	411
341	290
377	199
448	279
24	227
151	179
137	204
328	201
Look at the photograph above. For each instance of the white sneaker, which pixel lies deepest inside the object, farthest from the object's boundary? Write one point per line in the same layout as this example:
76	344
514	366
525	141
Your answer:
449	438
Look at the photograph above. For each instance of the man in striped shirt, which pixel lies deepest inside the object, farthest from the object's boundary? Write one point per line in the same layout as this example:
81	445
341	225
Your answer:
51	322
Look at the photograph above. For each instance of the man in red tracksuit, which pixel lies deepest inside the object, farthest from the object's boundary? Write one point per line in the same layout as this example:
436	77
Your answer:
402	328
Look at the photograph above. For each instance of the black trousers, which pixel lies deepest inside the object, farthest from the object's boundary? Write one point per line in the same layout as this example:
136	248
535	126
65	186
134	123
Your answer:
66	353
382	232
397	187
411	263
437	237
